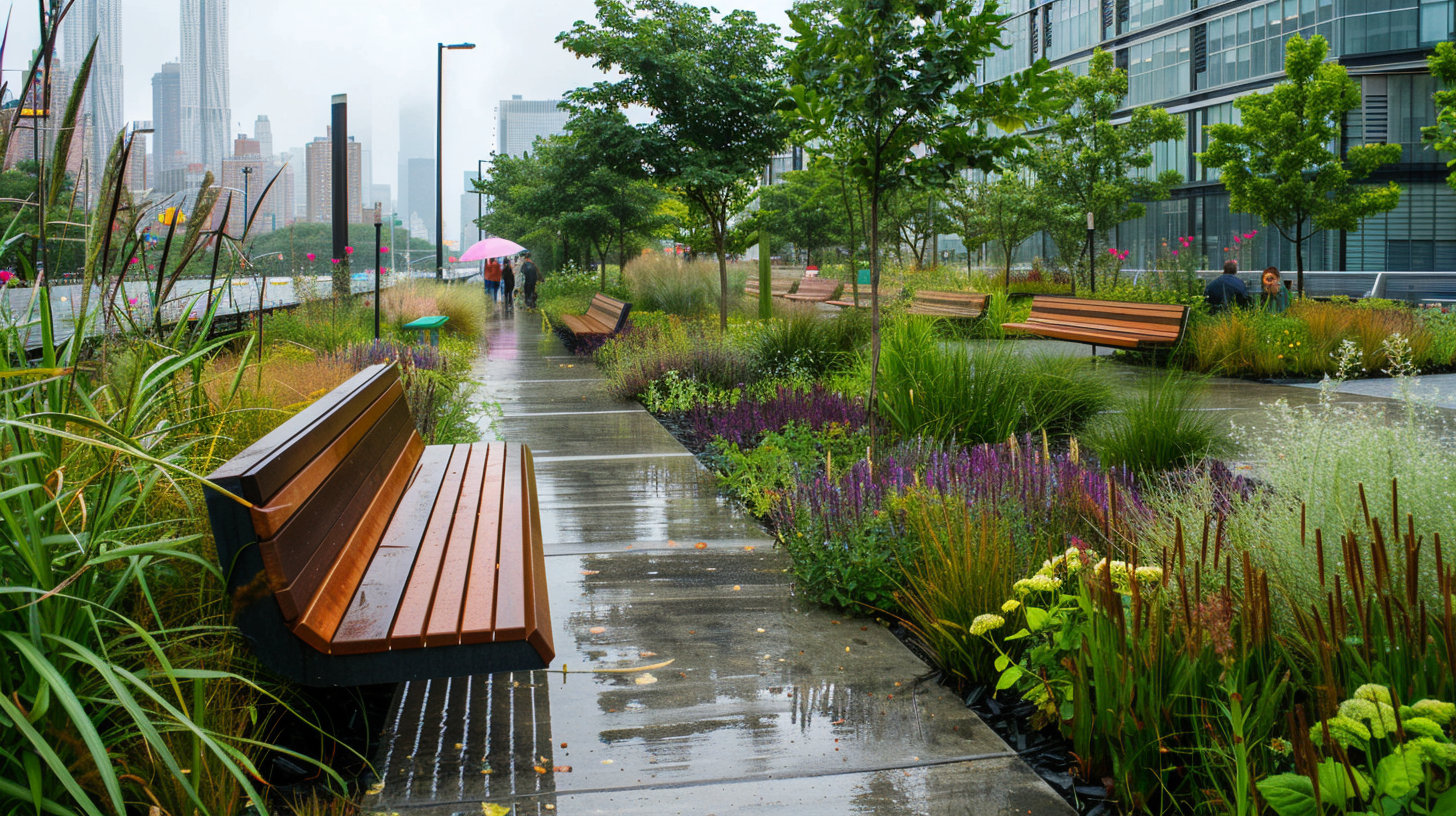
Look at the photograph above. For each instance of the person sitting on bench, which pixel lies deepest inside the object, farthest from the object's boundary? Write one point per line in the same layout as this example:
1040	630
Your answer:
1226	290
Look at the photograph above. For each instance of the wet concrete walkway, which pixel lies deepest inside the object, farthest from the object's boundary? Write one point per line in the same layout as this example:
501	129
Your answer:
751	703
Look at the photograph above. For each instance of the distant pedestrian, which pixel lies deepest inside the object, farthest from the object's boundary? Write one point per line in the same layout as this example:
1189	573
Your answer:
529	276
1226	290
508	285
492	279
1275	296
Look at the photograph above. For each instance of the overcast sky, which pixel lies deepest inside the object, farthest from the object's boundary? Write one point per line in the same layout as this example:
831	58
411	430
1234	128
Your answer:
288	57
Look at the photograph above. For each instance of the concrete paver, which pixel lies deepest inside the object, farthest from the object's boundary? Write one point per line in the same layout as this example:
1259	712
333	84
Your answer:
750	702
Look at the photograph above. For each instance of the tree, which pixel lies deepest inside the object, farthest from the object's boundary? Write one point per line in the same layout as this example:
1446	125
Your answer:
915	216
1085	163
1007	211
805	210
1278	164
878	79
1442	135
711	86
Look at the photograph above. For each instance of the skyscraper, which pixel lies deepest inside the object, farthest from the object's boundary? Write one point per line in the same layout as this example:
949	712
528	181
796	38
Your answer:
167	121
421	195
321	181
206	106
263	132
522	121
416	141
97	21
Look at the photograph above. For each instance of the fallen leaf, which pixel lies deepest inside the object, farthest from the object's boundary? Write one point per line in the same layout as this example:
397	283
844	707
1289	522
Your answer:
671	543
492	809
458	746
645	680
597	630
589	572
606	762
539	769
736	587
375	789
846	648
632	669
701	545
563	745
835	622
761	629
748	547
646	654
562	769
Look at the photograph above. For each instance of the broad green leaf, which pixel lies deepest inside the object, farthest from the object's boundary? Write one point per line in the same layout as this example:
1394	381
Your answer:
1399	775
1289	794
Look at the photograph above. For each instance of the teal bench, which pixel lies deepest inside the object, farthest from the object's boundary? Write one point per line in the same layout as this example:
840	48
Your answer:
431	324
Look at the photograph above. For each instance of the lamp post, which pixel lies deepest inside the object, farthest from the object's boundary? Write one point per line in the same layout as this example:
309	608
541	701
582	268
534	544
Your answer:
1091	255
247	174
378	229
440	50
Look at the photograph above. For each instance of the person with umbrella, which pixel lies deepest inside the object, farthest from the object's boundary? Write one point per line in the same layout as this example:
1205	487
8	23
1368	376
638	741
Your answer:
492	275
508	285
529	275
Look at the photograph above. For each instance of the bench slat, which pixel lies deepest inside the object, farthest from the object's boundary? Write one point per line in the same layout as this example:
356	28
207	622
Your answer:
366	624
510	607
414	607
317	625
1078	335
300	555
477	623
443	627
268	519
266	465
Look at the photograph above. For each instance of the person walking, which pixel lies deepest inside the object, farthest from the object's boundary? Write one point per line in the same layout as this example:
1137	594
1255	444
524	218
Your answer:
529	276
508	285
492	276
1226	290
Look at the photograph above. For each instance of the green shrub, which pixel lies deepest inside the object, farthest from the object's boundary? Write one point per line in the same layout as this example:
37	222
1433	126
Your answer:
987	393
664	284
465	305
801	342
1159	428
326	326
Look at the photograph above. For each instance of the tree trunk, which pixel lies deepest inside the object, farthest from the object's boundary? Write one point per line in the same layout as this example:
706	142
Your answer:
720	230
874	312
1009	253
1299	258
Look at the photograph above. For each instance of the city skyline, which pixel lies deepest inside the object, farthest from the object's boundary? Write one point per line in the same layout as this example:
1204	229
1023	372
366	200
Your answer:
288	58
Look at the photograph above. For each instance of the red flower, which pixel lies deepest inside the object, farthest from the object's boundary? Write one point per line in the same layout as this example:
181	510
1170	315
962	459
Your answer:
384	249
348	250
311	256
335	260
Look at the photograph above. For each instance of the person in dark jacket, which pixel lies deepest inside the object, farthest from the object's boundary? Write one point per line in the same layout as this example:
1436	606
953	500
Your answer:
529	275
1226	290
508	285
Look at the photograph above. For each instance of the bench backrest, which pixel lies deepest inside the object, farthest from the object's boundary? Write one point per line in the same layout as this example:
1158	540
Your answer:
777	285
1161	322
971	301
609	311
817	287
325	481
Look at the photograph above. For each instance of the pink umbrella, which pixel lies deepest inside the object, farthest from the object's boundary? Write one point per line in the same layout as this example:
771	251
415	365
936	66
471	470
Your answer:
491	248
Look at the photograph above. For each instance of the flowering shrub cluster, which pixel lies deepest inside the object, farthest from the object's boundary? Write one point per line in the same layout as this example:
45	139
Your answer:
745	422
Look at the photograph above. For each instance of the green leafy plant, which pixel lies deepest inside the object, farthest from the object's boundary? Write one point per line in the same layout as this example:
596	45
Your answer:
1159	429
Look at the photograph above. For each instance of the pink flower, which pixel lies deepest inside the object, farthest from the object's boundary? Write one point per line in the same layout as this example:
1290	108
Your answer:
1236	239
1111	251
131	301
452	259
1123	256
1255	232
311	256
151	266
335	260
1248	235
384	249
6	276
1175	252
133	260
348	250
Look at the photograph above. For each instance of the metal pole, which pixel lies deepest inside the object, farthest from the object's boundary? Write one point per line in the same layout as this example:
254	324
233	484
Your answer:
378	229
247	176
439	170
339	192
1091	255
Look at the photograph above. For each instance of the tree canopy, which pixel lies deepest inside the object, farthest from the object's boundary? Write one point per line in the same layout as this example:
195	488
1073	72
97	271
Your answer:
1282	162
1442	135
711	84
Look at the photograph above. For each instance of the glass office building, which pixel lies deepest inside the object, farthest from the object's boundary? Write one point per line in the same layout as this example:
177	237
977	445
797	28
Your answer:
1194	57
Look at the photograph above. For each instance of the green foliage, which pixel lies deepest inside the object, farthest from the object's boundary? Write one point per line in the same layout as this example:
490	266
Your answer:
760	475
1159	429
1006	211
988	393
710	85
296	241
803	344
1282	164
1442	135
807	209
1085	164
662	283
326	326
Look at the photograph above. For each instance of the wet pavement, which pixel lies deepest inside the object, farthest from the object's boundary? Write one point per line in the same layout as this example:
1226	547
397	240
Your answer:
688	677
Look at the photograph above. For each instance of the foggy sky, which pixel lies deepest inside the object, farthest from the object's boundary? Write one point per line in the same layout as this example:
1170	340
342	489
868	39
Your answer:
288	57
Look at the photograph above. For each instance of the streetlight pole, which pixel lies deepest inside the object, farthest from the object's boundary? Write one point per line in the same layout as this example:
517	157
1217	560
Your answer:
378	228
247	174
440	50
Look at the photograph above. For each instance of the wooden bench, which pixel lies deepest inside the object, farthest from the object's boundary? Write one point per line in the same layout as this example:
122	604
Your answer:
968	305
365	556
778	286
1104	322
814	290
604	317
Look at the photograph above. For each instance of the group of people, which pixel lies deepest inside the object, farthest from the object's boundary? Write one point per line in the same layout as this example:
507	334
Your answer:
1228	290
500	281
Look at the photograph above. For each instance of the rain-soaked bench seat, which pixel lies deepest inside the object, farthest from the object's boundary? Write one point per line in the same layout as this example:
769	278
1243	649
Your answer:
365	556
1104	322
